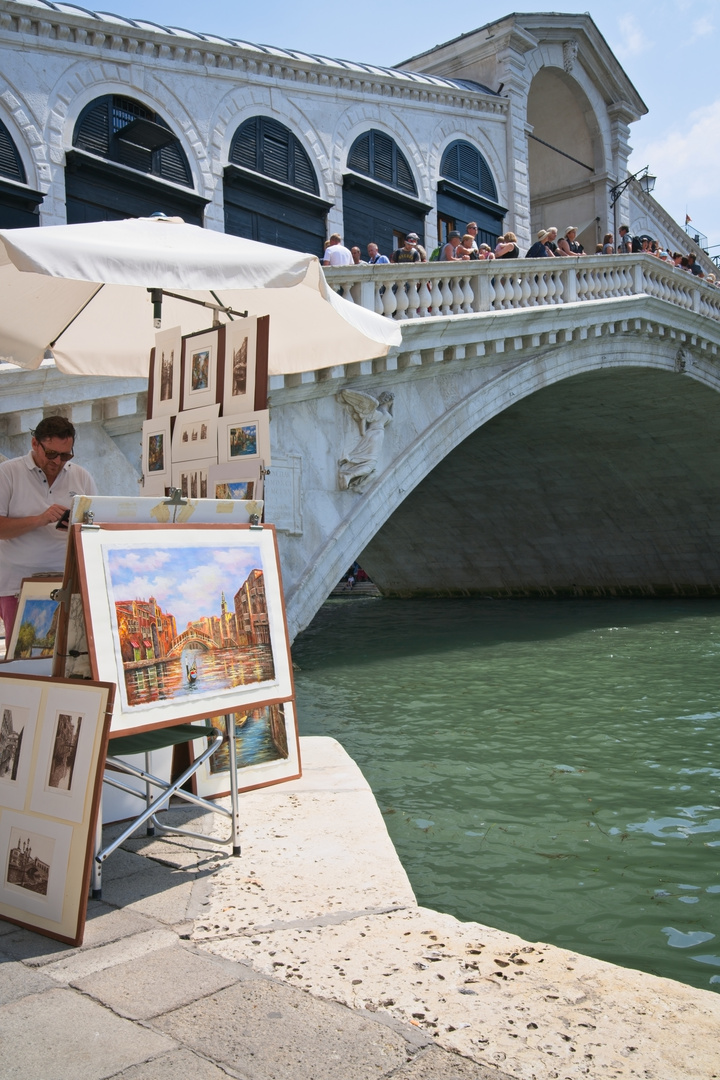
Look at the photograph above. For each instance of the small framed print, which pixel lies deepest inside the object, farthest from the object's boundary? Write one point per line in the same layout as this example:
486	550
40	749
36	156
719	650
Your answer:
156	453
240	366
266	747
37	618
201	357
235	481
165	372
195	434
191	478
244	438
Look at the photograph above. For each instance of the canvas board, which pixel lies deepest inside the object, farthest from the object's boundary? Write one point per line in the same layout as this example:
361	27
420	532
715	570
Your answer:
240	367
119	509
246	438
201	357
35	626
266	745
165	372
195	434
235	481
49	799
156	451
156	599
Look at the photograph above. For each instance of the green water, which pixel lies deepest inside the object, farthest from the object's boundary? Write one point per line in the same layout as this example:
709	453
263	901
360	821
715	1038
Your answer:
549	768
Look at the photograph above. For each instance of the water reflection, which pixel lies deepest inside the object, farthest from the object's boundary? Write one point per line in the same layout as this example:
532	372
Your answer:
216	670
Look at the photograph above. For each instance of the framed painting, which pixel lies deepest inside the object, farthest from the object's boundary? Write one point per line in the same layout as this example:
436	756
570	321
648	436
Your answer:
266	747
201	357
53	744
235	481
195	434
36	621
243	439
191	478
165	372
239	370
156	452
189	620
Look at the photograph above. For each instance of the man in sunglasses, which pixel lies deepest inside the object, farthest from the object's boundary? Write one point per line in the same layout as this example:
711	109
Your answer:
35	494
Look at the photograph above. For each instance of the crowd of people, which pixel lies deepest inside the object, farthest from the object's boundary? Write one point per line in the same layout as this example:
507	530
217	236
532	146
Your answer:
462	247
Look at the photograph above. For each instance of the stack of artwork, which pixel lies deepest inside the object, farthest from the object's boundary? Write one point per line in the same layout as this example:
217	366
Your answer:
53	741
207	432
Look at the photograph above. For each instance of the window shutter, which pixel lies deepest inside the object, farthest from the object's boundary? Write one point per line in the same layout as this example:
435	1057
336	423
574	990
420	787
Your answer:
11	165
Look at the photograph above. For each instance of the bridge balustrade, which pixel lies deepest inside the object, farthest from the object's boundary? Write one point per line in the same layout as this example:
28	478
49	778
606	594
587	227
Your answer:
416	291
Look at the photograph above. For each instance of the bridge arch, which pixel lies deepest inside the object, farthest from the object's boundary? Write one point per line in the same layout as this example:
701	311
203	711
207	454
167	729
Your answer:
376	524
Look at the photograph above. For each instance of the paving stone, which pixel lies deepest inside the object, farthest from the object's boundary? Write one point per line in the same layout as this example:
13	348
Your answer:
61	1035
17	981
177	1065
85	962
160	893
266	1030
104	924
158	982
436	1064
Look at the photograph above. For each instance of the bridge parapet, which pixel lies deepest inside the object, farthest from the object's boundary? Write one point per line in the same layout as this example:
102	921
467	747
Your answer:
416	291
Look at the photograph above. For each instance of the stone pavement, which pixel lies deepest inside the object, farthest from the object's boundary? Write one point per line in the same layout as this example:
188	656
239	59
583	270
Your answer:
309	959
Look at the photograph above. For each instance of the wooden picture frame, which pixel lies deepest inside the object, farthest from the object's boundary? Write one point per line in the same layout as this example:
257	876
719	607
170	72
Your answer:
202	357
35	627
156	453
53	743
235	481
238	392
165	374
267	748
243	439
159	600
195	434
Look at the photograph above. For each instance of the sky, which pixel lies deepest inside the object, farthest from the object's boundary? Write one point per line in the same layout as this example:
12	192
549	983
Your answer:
668	49
186	583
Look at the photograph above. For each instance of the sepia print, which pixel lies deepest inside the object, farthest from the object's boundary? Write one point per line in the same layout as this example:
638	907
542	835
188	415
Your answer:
239	369
167	363
62	761
12	729
29	861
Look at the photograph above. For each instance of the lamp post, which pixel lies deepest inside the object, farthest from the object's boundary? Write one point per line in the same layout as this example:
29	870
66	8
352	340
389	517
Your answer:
644	178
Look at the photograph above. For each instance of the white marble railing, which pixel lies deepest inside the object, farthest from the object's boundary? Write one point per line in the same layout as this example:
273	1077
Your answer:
427	289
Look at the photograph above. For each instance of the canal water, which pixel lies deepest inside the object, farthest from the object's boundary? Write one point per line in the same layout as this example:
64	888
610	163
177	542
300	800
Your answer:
547	767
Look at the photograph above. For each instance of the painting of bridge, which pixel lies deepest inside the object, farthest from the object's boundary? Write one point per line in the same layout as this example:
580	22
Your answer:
189	621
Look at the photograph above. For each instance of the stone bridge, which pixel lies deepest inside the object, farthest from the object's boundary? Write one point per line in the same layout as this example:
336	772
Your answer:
189	638
555	432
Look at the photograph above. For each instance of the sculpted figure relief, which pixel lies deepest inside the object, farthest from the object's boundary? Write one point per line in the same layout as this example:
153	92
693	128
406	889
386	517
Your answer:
373	415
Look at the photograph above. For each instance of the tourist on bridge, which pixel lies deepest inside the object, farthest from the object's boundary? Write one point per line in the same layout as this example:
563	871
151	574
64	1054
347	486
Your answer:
36	494
336	254
625	244
409	251
540	250
568	245
374	256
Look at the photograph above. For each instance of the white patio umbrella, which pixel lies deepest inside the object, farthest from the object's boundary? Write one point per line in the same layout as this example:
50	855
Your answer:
82	290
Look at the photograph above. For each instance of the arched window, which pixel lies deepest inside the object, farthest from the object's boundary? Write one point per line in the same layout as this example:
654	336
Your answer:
265	146
462	163
128	133
11	167
376	155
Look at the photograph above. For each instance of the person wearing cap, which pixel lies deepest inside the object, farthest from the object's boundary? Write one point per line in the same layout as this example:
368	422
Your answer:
336	254
36	492
449	250
568	245
539	250
408	252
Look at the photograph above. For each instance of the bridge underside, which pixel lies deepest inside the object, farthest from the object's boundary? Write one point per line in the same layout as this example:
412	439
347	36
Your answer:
606	483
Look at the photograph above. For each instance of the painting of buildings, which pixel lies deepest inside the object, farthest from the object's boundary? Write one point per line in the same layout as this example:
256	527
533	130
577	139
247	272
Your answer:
11	736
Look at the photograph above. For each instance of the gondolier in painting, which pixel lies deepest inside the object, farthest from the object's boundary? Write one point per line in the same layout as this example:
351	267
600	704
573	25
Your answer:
36	493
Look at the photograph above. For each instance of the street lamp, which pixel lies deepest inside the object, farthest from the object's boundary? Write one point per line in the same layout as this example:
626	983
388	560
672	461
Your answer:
644	178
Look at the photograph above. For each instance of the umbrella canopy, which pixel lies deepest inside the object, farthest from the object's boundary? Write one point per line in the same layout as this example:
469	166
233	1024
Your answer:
83	291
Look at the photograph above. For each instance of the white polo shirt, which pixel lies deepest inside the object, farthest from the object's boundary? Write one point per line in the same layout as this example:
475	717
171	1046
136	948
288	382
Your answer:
338	255
24	492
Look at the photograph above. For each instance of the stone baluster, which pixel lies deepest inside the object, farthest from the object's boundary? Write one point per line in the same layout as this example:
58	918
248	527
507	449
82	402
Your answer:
458	298
401	301
551	287
424	298
526	291
389	301
542	288
436	297
379	306
413	299
468	296
447	297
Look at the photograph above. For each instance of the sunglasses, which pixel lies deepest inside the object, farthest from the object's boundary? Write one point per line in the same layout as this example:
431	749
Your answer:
53	455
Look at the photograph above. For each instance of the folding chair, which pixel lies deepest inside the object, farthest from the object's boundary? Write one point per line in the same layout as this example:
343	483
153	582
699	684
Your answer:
123	746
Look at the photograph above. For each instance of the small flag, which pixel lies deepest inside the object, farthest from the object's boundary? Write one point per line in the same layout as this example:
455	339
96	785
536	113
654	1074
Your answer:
688	219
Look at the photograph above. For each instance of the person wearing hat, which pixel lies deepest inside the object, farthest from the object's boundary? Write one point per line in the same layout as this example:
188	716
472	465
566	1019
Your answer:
539	250
568	245
408	252
449	252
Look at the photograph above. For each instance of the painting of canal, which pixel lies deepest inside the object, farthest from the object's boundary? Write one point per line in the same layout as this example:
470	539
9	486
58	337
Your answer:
36	636
260	736
189	621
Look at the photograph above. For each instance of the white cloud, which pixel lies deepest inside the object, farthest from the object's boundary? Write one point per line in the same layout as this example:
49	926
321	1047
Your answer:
633	39
687	161
701	28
